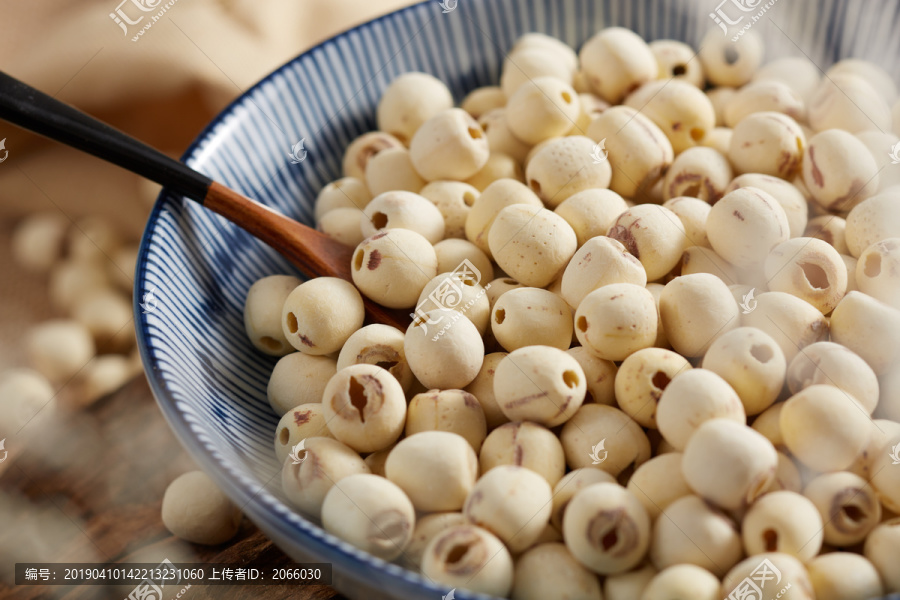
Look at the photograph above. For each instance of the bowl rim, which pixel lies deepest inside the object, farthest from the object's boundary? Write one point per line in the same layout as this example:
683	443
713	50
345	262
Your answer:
355	568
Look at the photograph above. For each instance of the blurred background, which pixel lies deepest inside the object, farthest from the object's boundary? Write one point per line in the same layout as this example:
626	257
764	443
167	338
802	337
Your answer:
83	467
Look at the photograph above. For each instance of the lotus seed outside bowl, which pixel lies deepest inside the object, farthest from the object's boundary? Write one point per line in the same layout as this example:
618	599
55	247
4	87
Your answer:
208	379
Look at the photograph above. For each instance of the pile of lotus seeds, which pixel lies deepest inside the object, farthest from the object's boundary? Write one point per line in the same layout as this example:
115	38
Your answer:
655	350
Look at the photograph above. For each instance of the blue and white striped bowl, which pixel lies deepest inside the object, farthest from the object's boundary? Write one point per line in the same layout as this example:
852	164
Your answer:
209	381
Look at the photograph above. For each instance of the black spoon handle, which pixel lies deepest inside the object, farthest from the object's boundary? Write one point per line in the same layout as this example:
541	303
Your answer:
31	109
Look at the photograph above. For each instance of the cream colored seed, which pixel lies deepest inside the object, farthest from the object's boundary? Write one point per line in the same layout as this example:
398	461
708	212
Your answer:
58	349
719	139
681	110
444	349
617	61
454	199
482	387
454	411
37	241
591	107
876	142
470	557
695	310
745	225
875	75
364	407
878	271
27	398
678	61
720	97
630	585
360	150
449	145
830	229
498	166
783	522
832	364
824	427
881	440
882	548
690	531
526	64
700	173
606	528
320	314
342	224
616	320
540	384
768	423
730	63
565	166
682	581
697	259
197	511
298	379
107	314
566	488
512	502
410	100
839	171
326	462
524	444
809	269
728	463
652	234
93	238
869	328
262	313
791	569
370	512
591	212
692	398
70	281
392	169
662	341
532	244
600	261
452	252
659	482
500	138
392	267
427	528
529	317
799	73
764	96
769	143
496	197
563	53
847	505
793	323
380	345
347	192
787	195
298	424
787	475
550	571
885	478
500	286
600	376
873	220
752	363
639	150
624	442
542	108
848	102
436	469
642	379
404	210
839	575
692	212
483	100
456	291
376	460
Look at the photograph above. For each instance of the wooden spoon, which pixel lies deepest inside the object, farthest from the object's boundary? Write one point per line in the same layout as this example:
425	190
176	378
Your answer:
312	252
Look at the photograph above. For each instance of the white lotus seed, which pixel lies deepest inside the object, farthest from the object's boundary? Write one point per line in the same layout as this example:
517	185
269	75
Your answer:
360	150
550	571
392	170
346	192
542	108
606	433
531	317
783	522
540	384
842	575
531	244
262	313
470	557
197	511
769	143
659	482
565	166
298	424
393	266
600	376
410	100
524	444
449	145
320	314
730	63
847	505
617	320
617	61
59	348
692	398
591	212
642	379
454	411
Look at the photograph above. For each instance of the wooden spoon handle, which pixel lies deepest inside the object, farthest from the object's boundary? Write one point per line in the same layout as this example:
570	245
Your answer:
311	251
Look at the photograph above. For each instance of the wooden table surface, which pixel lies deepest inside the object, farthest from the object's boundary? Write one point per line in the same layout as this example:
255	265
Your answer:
89	487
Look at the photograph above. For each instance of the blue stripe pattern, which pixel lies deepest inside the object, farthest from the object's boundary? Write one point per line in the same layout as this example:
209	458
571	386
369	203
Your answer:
209	381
